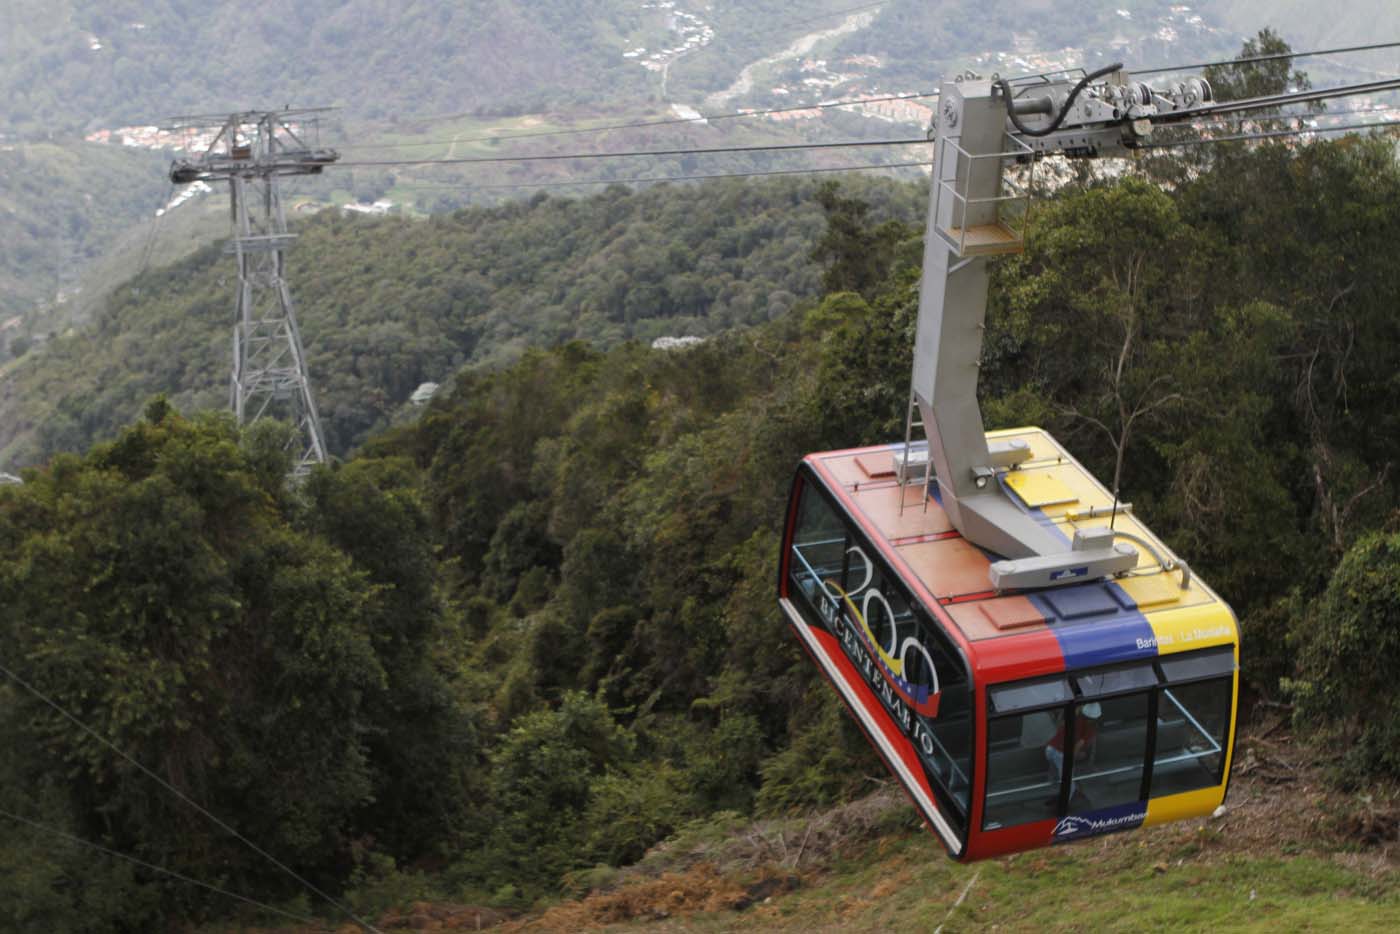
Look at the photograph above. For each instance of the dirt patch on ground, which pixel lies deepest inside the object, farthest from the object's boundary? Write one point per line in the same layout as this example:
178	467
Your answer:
673	894
425	916
1280	801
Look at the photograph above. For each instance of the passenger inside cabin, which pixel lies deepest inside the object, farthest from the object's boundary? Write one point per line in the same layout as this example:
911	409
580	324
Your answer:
1086	734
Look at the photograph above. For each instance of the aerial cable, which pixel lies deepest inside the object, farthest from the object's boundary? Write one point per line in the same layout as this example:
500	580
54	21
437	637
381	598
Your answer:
1276	100
1324	114
79	841
1271	134
185	798
826	104
670	121
734	115
160	212
560	157
1266	58
663	178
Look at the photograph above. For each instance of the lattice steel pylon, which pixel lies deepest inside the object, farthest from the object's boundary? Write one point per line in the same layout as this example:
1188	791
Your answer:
252	150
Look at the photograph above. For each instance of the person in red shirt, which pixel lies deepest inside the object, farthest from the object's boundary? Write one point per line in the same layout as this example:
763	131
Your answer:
1086	733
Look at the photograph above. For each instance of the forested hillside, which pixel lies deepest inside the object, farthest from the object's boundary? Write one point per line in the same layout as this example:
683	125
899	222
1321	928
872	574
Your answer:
73	63
60	208
386	304
445	78
552	594
78	63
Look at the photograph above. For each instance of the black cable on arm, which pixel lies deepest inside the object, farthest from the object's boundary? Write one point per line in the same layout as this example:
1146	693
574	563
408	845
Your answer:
1064	110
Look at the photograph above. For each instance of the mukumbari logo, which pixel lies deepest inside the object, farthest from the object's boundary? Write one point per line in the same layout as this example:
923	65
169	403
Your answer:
1122	817
1073	825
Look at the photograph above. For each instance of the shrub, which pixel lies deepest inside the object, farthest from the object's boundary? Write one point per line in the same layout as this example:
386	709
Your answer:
1348	650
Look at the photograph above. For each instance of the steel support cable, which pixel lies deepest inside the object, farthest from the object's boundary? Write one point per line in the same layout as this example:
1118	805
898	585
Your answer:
1378	110
186	799
663	178
79	841
828	104
149	245
1273	134
1275	100
670	121
1266	58
467	186
568	156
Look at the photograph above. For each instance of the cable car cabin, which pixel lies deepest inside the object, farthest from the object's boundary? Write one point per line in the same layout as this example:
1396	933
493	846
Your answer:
1013	720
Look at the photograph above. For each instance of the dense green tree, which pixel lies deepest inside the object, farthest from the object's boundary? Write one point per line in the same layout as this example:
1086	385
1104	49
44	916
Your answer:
163	591
1348	645
542	780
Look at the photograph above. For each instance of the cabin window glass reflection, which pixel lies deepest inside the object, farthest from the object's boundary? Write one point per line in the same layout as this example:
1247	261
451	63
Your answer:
1109	745
1023	785
818	547
1193	721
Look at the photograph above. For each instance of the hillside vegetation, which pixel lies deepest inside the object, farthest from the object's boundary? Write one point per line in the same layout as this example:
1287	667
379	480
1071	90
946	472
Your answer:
532	633
386	304
155	61
61	207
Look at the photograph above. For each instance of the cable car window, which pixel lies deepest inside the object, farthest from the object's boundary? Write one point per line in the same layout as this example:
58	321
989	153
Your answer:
923	682
818	545
1219	661
1106	752
911	665
1030	694
948	748
1117	680
1022	783
1193	721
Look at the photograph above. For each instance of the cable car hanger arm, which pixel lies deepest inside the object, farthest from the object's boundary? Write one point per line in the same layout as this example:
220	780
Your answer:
982	128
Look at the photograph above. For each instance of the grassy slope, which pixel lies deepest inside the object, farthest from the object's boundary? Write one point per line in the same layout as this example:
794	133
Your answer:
1285	856
1291	853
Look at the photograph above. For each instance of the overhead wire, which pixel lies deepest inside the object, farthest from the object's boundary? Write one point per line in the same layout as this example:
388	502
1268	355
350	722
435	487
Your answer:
1275	56
1270	134
687	151
670	121
1208	110
663	178
185	798
149	245
656	179
874	166
79	841
740	114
